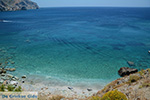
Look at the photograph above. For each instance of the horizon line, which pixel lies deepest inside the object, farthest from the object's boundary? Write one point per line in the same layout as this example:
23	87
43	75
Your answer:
95	6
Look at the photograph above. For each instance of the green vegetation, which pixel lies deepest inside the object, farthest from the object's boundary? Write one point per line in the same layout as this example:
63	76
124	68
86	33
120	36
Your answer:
133	78
19	89
2	88
142	72
111	95
10	87
114	95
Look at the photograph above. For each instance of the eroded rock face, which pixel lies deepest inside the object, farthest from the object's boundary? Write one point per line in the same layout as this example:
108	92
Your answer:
126	71
13	5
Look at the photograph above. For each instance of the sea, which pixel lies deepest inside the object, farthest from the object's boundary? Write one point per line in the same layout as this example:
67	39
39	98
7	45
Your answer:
74	46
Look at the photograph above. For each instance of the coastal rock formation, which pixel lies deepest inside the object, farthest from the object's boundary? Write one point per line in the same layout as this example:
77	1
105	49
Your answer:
135	86
126	71
13	5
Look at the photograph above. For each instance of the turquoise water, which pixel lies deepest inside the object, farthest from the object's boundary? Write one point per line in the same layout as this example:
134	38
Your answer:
75	44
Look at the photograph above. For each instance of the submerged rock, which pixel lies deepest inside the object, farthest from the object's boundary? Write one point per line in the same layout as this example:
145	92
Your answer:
149	51
123	71
130	63
12	69
12	62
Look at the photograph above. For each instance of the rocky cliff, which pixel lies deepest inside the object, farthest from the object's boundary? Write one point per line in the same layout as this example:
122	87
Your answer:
135	86
13	5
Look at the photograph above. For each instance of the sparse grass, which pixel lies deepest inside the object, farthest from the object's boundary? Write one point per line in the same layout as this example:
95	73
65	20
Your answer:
145	84
95	98
149	71
142	72
112	84
117	86
133	78
54	97
57	97
140	86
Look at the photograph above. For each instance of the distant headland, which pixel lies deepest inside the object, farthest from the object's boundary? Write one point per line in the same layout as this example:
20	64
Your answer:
13	5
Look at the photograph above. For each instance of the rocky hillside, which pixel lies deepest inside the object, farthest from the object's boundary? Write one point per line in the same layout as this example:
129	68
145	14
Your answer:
135	86
13	5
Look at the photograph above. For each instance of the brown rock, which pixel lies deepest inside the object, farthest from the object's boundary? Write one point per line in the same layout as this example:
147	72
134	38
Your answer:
3	71
12	69
126	71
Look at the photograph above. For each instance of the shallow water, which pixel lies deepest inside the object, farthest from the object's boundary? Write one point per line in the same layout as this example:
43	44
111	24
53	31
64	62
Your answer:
75	45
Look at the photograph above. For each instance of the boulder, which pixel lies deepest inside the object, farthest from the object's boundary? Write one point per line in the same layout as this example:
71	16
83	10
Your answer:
2	74
1	81
70	88
23	81
1	71
16	77
123	71
24	76
13	82
149	51
89	89
10	76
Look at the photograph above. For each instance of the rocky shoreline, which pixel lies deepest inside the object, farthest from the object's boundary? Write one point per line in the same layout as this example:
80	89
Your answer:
133	84
13	5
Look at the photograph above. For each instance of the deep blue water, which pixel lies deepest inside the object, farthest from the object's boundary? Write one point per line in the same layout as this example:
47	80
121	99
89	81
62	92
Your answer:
75	44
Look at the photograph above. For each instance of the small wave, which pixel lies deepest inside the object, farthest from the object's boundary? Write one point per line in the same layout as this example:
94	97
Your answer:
5	21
